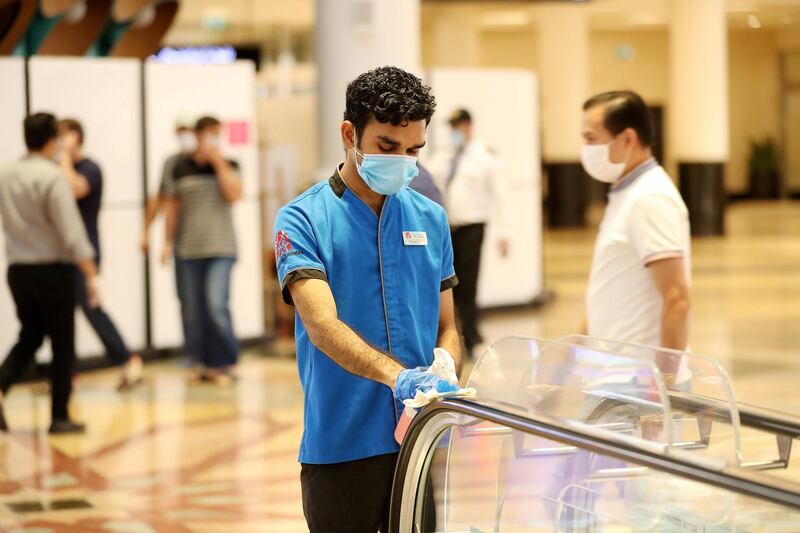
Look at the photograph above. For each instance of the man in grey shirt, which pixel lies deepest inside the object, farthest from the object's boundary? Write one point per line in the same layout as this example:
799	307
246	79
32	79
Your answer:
45	237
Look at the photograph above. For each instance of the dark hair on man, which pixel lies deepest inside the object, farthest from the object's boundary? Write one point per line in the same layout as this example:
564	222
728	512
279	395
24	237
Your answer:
40	128
460	116
70	124
625	109
388	94
206	122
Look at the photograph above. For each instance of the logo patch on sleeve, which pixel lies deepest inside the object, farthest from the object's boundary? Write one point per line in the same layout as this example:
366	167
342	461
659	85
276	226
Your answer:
283	247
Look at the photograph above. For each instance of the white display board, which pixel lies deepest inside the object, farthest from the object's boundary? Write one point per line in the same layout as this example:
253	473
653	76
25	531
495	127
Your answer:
504	107
12	146
105	96
174	92
280	176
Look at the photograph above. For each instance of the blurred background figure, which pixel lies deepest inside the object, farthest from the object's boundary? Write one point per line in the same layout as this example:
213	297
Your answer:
426	186
187	140
201	190
86	180
471	179
44	237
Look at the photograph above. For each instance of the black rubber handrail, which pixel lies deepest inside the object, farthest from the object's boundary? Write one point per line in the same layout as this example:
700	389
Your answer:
749	415
784	427
768	420
734	479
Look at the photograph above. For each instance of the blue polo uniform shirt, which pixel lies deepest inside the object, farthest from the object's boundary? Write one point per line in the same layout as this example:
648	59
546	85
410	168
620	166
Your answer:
385	273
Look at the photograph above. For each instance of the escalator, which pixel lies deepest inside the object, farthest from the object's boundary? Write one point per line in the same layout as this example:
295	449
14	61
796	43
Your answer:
588	435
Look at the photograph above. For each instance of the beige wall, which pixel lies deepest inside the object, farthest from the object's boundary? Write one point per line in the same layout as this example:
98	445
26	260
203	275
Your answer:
788	40
754	99
753	74
510	48
647	72
292	120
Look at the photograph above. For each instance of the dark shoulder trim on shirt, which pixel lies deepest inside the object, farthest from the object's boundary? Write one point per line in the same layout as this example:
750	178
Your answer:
337	183
297	275
449	283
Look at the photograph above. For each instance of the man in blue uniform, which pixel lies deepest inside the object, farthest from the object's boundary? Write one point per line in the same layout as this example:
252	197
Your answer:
368	264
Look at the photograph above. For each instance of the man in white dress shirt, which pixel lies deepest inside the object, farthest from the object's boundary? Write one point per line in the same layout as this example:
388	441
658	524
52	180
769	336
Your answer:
474	187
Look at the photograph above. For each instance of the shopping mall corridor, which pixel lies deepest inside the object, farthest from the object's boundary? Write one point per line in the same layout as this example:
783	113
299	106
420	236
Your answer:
174	457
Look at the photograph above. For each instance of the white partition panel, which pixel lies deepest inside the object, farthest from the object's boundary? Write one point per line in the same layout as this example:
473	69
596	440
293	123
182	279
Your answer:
165	318
105	96
504	106
12	108
12	146
121	280
247	293
225	92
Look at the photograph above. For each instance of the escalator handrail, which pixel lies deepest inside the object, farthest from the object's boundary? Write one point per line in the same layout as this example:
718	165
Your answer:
750	416
769	420
699	469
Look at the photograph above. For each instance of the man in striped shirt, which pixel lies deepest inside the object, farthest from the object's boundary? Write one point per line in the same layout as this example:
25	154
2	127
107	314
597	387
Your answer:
200	192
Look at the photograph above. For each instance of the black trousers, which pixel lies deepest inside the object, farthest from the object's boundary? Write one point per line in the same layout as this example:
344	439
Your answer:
45	299
351	497
467	244
102	324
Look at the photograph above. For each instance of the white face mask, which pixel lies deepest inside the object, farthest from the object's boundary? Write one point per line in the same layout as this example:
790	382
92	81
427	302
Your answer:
213	140
188	141
596	161
458	138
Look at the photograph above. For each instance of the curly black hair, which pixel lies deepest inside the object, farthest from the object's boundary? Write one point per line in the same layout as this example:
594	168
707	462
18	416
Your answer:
389	94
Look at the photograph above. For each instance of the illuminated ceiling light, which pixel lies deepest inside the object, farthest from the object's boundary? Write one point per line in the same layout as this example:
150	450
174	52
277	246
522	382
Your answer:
753	21
146	17
76	13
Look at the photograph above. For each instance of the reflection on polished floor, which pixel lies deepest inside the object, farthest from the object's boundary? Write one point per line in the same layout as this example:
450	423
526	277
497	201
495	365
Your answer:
170	457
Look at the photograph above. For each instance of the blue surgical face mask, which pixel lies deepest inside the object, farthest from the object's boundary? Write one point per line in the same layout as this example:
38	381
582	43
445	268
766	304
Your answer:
384	173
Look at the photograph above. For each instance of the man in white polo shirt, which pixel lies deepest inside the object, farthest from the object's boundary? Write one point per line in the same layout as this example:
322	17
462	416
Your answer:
639	283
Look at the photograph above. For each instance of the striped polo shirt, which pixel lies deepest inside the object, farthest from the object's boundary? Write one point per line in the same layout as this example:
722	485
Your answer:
205	220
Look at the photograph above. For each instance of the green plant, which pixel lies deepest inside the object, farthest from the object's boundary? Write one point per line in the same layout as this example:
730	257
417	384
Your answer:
763	157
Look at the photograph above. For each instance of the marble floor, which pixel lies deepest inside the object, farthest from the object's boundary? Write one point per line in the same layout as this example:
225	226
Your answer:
173	457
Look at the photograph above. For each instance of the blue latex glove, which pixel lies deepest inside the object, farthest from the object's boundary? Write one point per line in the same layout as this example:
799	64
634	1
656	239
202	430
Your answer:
418	379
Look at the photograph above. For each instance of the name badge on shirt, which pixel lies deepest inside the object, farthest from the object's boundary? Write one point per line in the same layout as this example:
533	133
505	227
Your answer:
415	238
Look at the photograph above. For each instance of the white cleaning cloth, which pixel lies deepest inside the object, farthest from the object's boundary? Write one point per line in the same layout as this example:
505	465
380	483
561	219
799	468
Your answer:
444	366
421	399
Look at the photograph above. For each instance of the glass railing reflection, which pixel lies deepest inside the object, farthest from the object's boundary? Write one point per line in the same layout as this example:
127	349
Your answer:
482	475
619	387
481	484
